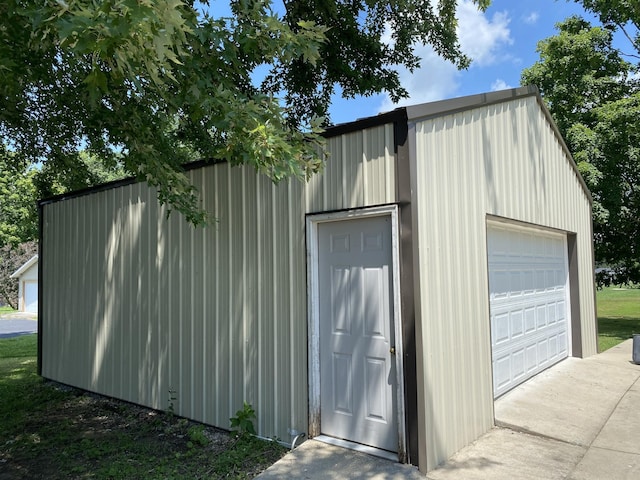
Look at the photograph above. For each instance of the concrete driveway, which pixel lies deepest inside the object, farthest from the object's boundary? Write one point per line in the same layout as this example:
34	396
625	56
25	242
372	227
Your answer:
579	420
14	324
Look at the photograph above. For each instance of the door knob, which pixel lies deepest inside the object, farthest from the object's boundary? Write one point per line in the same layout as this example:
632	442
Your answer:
392	350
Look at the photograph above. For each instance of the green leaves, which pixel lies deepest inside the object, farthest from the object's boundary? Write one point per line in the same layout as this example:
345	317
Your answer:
123	36
242	421
365	43
578	69
595	100
157	83
623	15
18	197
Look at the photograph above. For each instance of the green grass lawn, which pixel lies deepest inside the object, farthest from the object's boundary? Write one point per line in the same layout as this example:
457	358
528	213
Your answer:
60	433
618	315
6	309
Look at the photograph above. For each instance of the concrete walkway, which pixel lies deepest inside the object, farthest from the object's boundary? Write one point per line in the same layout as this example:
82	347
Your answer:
579	420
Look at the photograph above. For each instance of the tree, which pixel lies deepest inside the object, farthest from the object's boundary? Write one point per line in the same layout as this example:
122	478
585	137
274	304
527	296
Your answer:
18	197
354	55
157	83
11	259
21	185
612	145
622	15
86	171
594	97
578	69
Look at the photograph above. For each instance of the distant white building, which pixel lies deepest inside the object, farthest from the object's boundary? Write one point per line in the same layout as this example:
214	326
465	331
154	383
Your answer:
27	276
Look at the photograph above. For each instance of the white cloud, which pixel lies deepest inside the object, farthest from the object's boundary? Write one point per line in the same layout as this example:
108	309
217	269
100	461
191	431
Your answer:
499	84
481	38
434	80
531	19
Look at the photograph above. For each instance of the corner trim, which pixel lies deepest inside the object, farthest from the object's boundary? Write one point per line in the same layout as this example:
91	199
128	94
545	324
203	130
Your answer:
41	330
574	295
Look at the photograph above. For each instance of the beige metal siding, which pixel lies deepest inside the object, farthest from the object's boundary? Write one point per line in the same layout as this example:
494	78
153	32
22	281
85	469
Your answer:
144	308
502	160
360	171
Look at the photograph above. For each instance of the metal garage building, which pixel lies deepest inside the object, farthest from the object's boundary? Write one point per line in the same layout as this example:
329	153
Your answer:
442	257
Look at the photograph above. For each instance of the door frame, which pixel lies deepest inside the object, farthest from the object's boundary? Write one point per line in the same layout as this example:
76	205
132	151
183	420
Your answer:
313	307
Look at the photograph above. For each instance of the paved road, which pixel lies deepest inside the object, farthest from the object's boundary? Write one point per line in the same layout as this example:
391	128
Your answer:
14	324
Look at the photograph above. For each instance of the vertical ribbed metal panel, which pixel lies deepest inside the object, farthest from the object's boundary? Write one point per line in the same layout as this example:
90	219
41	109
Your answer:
360	171
137	306
502	160
153	311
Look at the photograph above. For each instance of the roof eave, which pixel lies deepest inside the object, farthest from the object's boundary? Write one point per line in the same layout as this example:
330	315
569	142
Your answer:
453	105
25	266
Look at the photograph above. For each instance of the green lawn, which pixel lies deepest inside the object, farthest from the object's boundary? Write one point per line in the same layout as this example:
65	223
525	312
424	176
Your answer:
55	433
6	309
618	315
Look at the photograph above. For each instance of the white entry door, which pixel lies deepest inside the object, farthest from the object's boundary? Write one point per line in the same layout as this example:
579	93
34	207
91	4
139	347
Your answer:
357	364
528	288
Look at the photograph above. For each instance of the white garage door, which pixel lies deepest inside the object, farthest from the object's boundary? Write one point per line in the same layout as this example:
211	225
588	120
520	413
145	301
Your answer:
31	297
528	288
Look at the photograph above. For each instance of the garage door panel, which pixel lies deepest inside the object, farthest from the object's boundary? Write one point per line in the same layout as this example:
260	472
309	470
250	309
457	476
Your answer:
543	352
561	309
563	344
541	316
529	285
530	319
551	314
517	324
501	328
503	371
517	365
531	358
540	284
528	289
515	284
541	320
553	346
501	281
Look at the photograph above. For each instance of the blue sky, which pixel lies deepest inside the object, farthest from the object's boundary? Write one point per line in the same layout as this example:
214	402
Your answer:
502	41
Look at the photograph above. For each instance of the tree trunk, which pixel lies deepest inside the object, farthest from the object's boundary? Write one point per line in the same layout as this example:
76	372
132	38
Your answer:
7	298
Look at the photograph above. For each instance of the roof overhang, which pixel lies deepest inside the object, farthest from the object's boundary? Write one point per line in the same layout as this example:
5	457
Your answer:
424	111
26	266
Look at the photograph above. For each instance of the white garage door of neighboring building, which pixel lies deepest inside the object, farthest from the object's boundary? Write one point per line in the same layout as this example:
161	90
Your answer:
528	288
31	297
